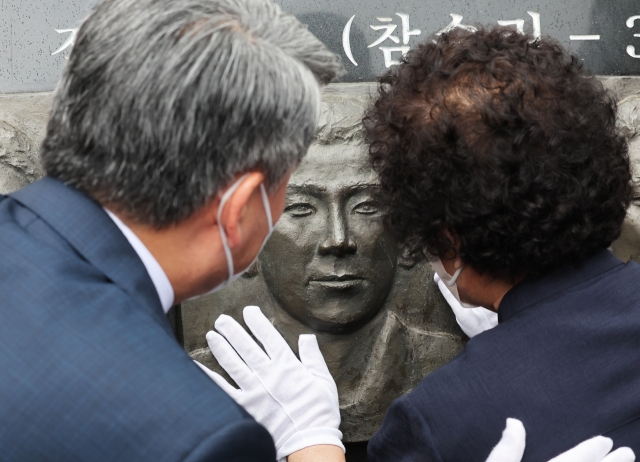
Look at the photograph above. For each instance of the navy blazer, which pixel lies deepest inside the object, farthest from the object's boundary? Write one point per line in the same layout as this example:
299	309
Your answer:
564	359
89	367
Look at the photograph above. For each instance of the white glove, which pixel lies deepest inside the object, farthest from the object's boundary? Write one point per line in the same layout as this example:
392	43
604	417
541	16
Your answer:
472	321
596	450
511	448
296	400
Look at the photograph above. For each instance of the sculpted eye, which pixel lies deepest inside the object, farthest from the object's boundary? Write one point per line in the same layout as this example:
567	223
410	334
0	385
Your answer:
366	208
300	210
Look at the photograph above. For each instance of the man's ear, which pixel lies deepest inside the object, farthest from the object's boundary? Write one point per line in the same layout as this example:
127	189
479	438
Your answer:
232	212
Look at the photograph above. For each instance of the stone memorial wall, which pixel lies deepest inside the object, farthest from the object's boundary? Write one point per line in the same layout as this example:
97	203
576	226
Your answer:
369	35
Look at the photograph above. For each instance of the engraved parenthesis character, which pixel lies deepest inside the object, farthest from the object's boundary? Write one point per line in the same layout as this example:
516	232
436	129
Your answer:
71	40
346	41
631	50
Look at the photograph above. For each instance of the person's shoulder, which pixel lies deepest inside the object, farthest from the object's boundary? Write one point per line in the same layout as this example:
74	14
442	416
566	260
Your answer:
451	381
110	380
26	237
624	276
610	297
462	398
191	414
243	440
405	436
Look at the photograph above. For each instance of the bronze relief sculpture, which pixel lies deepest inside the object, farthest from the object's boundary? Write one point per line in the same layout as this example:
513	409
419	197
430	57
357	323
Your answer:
332	269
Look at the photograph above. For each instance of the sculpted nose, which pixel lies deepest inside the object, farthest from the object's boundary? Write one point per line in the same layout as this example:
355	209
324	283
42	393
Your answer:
338	240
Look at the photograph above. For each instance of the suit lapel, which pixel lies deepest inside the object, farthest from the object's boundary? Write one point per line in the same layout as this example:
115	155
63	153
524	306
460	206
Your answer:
91	233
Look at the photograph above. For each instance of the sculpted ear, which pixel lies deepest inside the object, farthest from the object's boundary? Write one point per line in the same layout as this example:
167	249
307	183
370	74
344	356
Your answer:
253	270
407	258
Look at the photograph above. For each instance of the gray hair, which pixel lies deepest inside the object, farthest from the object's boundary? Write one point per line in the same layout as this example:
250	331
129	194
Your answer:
164	102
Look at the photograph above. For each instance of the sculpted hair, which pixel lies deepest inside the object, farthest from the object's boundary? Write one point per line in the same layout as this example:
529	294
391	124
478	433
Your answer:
503	145
164	102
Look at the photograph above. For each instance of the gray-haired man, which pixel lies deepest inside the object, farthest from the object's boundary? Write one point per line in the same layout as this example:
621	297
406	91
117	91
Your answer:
173	133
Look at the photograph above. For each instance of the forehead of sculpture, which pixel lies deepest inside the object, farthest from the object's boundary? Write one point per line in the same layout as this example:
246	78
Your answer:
334	168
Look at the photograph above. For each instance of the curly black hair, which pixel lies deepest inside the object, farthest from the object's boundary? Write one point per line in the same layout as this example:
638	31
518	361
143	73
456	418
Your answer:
503	145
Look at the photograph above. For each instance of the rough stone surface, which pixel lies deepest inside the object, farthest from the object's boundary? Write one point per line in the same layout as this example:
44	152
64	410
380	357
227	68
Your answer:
341	117
23	120
627	246
622	87
410	311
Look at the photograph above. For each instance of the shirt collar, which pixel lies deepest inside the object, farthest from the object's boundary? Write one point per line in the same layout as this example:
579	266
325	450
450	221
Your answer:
156	273
532	291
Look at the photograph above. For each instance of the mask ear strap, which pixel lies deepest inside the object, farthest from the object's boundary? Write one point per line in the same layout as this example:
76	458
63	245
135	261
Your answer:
267	206
454	278
223	236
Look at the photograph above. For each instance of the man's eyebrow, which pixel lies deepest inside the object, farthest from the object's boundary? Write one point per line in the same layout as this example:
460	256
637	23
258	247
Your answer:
317	190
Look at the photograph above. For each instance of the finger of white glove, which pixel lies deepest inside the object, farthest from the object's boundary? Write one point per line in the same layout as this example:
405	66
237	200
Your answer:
311	357
591	450
241	341
511	446
220	381
273	342
229	360
621	455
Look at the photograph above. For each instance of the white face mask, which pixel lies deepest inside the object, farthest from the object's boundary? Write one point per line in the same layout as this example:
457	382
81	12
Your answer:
449	280
223	237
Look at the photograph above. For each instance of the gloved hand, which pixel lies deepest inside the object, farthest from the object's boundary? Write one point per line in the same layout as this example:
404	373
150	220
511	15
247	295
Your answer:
511	448
472	321
296	400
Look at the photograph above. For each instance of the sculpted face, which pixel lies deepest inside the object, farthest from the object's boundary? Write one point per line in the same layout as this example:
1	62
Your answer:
330	263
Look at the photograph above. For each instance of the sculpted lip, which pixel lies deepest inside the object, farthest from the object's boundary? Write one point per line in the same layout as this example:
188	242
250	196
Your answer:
334	281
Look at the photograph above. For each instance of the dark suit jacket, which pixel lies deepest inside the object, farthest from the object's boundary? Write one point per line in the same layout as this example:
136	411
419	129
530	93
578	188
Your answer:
564	359
89	367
